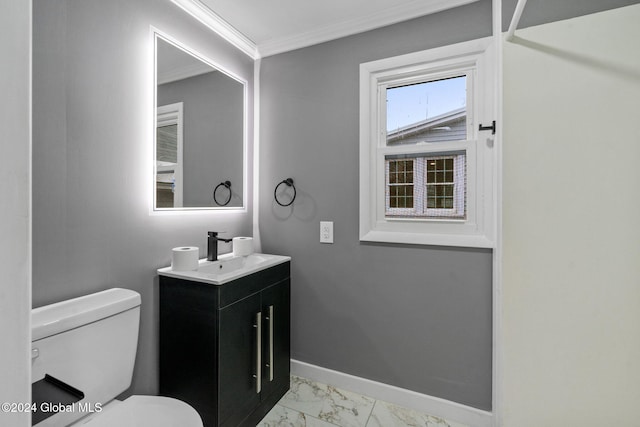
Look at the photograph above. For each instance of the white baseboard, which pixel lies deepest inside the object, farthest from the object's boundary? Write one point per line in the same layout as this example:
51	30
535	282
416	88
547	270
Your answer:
442	408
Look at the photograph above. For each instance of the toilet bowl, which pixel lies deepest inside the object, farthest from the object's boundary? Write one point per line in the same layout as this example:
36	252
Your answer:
143	411
82	357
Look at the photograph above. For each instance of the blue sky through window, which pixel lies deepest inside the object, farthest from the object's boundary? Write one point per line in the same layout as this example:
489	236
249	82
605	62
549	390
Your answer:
410	104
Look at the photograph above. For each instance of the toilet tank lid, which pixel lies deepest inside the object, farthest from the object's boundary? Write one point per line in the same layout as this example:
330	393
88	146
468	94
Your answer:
65	315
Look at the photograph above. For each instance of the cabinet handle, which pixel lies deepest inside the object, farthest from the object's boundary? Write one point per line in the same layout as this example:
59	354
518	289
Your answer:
271	310
258	374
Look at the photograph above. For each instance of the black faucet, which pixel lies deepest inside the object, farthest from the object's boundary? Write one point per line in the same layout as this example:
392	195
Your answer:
212	245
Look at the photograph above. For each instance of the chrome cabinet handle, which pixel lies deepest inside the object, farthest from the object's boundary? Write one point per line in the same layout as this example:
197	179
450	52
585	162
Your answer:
258	375
271	311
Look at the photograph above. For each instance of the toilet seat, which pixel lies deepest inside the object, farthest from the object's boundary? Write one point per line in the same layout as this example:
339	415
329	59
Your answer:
145	411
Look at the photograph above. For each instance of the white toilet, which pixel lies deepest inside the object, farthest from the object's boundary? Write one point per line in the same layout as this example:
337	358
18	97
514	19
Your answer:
86	348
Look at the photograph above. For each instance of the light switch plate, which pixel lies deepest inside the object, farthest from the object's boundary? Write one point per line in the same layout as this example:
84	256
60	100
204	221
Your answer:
326	231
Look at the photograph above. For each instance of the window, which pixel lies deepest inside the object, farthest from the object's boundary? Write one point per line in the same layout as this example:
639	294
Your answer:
400	185
430	111
445	184
426	187
426	169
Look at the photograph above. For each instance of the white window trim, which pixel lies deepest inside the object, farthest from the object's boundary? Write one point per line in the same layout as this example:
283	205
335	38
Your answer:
478	229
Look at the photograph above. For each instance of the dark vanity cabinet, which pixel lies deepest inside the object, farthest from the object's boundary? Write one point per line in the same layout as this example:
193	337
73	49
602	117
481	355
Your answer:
224	349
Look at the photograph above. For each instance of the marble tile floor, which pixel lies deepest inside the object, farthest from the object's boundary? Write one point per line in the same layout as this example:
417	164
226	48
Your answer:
312	404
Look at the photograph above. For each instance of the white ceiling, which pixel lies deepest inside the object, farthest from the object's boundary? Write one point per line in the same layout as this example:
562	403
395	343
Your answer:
274	26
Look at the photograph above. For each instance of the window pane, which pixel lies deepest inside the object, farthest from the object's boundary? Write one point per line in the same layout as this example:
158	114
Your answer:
401	196
440	183
448	176
448	203
448	191
432	111
448	164
426	186
440	170
167	144
400	183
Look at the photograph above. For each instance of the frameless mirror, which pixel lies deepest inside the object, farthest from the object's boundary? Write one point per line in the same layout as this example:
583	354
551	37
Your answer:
200	131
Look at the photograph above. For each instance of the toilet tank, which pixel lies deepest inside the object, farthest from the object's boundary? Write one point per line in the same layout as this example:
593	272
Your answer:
88	343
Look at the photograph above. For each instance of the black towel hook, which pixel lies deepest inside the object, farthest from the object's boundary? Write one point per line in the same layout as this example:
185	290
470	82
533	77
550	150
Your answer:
227	185
289	183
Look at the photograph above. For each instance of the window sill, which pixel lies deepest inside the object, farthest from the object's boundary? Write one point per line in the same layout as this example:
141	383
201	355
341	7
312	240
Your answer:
456	240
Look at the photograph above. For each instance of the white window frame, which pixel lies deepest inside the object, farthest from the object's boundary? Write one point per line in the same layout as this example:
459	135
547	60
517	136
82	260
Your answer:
475	60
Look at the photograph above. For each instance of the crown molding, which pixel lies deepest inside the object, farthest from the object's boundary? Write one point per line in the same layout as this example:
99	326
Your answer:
218	25
364	23
327	33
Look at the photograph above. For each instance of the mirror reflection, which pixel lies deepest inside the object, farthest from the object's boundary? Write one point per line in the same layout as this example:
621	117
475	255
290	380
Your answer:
199	138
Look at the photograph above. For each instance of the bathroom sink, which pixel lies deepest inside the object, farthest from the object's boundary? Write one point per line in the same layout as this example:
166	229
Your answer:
226	268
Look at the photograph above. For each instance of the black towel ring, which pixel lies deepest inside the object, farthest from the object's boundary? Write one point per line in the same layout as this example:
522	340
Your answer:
227	185
289	183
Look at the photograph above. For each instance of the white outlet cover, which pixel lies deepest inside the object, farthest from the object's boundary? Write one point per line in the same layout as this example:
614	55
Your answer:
326	231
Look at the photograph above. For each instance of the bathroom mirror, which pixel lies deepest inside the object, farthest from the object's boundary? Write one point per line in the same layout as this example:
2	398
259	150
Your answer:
200	131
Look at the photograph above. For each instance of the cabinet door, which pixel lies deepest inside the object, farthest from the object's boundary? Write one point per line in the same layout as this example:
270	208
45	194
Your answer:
188	350
276	346
240	351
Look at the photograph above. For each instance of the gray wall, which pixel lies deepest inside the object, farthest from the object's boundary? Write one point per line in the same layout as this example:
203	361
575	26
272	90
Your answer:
15	285
213	120
538	12
92	148
416	317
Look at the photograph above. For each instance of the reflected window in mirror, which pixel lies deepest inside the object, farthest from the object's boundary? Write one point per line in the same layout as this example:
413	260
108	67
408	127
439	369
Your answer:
169	135
200	130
